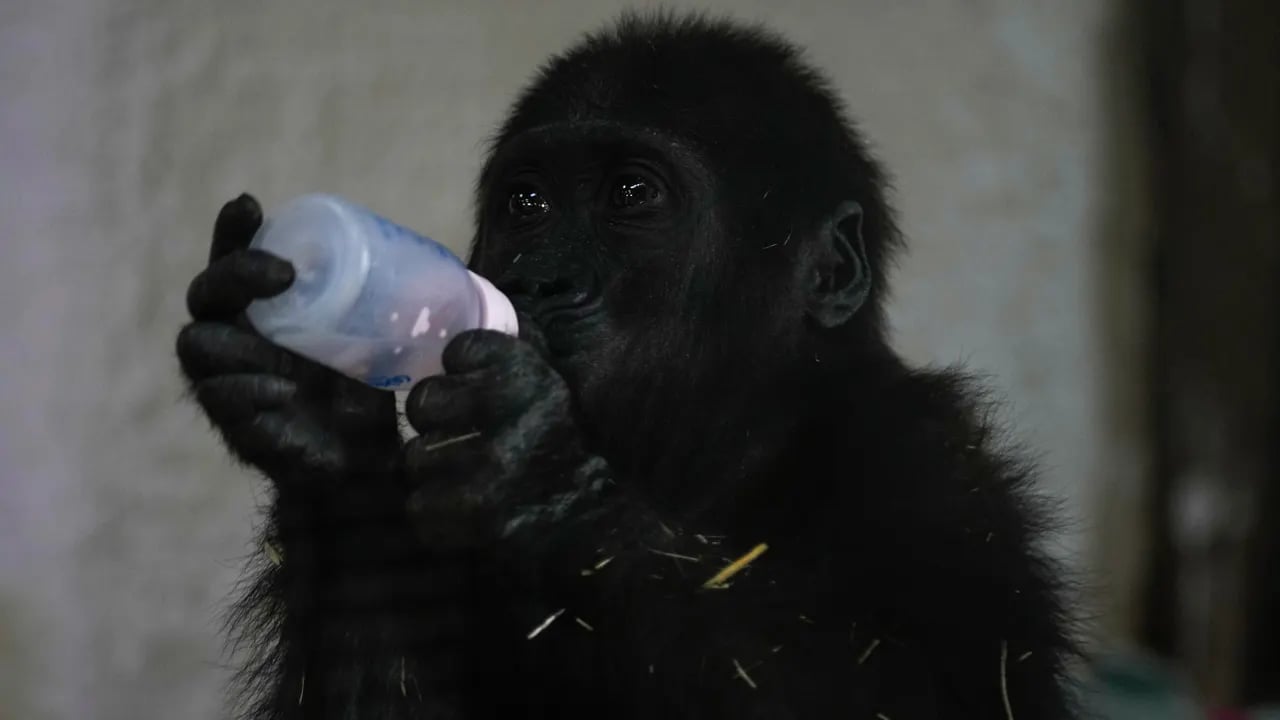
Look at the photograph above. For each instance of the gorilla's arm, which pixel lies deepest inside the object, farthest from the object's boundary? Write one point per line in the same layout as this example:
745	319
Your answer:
346	609
601	600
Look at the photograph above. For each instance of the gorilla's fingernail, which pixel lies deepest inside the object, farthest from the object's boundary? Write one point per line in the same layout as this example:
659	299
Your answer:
282	273
248	205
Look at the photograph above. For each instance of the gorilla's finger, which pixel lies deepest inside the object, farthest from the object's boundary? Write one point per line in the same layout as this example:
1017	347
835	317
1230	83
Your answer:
477	349
280	441
444	459
232	399
207	349
480	400
237	221
448	403
225	288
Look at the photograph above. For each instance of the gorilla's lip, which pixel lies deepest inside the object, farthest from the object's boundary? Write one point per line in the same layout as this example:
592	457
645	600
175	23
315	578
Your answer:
565	328
565	311
566	315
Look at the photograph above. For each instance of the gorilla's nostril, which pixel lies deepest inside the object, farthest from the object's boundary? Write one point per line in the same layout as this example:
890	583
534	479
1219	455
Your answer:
553	288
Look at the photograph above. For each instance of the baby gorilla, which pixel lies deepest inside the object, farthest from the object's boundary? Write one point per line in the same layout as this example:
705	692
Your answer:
700	485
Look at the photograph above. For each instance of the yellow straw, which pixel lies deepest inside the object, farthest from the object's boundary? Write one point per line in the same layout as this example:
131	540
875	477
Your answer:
736	566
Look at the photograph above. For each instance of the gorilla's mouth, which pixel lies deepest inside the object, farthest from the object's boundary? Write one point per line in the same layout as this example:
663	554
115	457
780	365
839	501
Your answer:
567	316
559	311
564	324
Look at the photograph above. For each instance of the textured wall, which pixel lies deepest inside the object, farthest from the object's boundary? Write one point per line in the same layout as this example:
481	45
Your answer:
124	125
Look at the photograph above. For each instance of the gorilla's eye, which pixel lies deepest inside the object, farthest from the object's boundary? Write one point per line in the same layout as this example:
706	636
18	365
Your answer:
527	203
632	191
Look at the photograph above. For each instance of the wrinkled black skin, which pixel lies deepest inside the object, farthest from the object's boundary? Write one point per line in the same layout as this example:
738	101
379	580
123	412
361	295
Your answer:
698	373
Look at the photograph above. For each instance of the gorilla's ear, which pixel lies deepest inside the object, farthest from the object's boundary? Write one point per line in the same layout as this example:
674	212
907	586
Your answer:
841	279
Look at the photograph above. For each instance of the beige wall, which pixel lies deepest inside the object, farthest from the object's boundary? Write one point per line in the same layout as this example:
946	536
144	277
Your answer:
123	126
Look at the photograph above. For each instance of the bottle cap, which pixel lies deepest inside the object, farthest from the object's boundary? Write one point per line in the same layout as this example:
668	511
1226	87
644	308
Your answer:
496	311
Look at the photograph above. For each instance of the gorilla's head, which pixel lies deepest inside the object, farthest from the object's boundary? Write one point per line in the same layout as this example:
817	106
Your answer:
684	209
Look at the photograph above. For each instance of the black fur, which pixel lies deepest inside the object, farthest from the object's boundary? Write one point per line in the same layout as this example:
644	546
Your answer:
700	373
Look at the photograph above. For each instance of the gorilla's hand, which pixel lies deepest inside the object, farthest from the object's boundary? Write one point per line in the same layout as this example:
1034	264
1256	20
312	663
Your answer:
290	417
499	450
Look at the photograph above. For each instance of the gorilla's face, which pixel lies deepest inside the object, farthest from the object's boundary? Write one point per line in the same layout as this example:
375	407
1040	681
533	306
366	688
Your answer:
607	238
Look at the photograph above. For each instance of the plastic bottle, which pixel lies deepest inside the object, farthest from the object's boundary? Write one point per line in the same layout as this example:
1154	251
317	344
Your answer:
370	299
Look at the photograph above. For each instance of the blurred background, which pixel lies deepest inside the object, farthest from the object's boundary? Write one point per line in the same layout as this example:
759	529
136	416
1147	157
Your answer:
1089	191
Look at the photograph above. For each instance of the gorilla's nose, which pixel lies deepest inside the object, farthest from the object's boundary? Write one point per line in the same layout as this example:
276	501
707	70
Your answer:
536	288
544	289
549	293
560	283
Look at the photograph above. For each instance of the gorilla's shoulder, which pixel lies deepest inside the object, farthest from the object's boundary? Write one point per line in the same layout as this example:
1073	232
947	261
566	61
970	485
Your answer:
937	436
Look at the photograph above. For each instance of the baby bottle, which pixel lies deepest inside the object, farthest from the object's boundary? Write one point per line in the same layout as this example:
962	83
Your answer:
370	299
